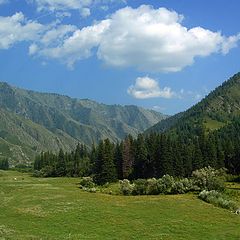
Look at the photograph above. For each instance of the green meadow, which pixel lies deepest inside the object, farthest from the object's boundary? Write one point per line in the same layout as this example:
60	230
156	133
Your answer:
55	208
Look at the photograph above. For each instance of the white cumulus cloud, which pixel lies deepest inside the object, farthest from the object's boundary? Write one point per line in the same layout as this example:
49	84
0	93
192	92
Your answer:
78	46
145	38
156	40
146	87
16	29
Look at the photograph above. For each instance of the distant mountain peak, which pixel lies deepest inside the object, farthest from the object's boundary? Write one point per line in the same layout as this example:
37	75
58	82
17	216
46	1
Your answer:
32	122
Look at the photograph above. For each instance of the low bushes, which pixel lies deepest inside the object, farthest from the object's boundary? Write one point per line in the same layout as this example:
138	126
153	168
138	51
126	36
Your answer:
209	179
203	179
88	185
217	199
126	188
165	185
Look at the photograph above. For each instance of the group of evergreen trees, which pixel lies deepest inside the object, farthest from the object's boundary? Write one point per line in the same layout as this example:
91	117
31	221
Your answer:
75	163
4	165
147	156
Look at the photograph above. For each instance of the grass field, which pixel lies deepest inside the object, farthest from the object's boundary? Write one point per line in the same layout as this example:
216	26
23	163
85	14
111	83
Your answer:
36	208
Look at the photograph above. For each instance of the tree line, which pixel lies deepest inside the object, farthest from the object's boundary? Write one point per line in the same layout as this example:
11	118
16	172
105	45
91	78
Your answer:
148	156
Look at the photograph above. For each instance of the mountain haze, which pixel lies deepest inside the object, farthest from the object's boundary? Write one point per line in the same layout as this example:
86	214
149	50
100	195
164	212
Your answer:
32	122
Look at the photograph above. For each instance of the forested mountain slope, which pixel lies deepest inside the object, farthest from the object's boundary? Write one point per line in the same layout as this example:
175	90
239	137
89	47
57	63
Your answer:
216	110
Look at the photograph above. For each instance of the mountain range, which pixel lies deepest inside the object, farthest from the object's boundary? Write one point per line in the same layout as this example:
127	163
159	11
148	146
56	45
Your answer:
32	122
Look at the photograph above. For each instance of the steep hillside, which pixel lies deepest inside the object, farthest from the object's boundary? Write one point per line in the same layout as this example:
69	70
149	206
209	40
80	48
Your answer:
216	110
21	138
31	122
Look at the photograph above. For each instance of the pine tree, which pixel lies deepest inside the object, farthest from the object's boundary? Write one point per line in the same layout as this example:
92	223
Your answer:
4	165
178	160
167	156
98	154
210	154
151	145
140	157
61	164
187	155
108	171
37	163
197	157
118	157
77	157
220	155
127	158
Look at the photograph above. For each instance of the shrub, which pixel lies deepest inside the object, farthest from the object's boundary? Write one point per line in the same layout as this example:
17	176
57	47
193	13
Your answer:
152	186
37	173
48	171
165	184
87	182
91	190
174	186
178	187
217	199
209	179
187	184
126	188
140	187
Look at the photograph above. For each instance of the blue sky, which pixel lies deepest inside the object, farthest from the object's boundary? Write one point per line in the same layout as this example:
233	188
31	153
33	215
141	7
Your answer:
164	55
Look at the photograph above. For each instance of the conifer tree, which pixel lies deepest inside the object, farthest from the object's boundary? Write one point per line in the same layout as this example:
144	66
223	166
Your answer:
167	156
140	157
108	171
4	165
178	160
197	157
118	159
127	158
61	164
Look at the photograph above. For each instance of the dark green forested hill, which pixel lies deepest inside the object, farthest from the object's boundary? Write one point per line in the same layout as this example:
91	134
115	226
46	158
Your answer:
31	122
216	110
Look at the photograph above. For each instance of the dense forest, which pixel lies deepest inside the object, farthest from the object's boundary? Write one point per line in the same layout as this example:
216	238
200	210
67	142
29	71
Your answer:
213	112
148	156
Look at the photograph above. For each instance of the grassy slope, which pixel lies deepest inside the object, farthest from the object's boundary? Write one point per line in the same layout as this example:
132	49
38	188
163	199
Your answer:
212	125
34	208
21	138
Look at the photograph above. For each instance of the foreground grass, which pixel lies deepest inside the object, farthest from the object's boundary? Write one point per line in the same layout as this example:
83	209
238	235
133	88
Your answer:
32	208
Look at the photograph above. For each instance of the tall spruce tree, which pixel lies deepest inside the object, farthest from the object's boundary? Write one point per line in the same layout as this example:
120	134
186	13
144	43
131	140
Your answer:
108	169
167	156
140	157
61	164
118	159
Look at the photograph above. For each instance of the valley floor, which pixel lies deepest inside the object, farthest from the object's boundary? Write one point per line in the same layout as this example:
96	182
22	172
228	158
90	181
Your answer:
37	208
